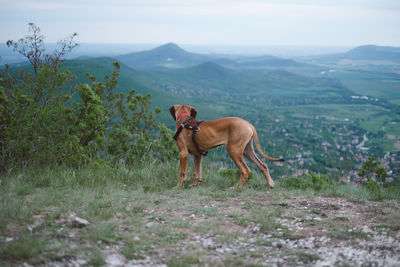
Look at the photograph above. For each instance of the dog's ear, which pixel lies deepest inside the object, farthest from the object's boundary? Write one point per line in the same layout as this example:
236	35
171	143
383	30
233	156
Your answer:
172	111
193	113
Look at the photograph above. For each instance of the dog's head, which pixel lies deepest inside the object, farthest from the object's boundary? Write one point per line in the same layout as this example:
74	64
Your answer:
177	110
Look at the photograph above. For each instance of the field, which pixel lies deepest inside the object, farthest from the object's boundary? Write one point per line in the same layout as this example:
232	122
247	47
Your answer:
136	216
327	117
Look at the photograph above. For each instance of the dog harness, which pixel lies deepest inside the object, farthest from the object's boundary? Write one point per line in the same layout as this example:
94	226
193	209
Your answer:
194	126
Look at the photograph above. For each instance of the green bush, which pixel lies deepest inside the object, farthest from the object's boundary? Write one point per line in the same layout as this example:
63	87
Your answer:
41	124
372	177
312	181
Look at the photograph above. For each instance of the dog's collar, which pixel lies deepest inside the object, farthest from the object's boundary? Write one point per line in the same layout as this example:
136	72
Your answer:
183	114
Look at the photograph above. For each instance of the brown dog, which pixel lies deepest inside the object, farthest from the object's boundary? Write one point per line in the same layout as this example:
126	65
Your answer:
235	133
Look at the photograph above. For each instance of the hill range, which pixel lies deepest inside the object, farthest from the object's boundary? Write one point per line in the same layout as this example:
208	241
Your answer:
317	112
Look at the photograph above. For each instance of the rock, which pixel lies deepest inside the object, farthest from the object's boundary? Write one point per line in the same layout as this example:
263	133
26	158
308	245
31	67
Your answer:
208	243
150	224
79	222
256	229
115	260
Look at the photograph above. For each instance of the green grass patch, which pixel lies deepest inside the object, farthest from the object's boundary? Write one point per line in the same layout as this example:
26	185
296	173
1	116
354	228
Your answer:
30	248
266	218
302	256
118	208
347	235
184	260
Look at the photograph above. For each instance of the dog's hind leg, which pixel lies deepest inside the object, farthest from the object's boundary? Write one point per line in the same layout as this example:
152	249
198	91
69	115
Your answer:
237	157
251	155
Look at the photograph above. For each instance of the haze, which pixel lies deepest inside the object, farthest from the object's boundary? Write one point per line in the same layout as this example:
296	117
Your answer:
208	22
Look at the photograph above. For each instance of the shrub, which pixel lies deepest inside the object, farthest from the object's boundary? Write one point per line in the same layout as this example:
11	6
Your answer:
41	124
313	181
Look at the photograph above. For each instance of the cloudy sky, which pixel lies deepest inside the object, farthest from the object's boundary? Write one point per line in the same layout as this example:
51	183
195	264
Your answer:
208	22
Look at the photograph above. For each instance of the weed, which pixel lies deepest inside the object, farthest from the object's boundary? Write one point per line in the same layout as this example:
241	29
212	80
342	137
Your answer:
209	212
233	261
319	212
302	256
342	219
131	250
104	232
312	181
333	207
95	257
175	237
27	248
283	205
311	222
266	218
284	235
346	235
183	260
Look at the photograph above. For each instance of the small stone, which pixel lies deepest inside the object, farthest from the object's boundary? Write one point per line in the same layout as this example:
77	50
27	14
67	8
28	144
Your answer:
115	260
208	243
80	222
149	224
256	229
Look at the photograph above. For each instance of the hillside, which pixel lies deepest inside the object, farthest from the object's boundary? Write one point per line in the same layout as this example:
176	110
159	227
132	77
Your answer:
371	54
132	79
213	80
293	113
315	119
124	216
168	55
172	56
320	212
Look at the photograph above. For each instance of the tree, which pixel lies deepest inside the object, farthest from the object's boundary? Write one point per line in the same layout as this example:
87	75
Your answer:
41	124
32	47
372	170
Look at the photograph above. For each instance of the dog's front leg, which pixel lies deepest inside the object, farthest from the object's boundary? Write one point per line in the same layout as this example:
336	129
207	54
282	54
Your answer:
198	159
184	158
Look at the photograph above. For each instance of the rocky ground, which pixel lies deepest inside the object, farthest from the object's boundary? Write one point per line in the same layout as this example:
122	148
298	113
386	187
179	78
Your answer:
260	231
250	229
318	232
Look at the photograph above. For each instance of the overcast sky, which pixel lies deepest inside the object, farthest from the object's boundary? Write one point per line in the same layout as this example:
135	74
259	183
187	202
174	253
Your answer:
208	22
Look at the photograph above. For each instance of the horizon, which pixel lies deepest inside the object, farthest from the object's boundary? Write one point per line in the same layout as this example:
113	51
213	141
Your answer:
209	23
8	56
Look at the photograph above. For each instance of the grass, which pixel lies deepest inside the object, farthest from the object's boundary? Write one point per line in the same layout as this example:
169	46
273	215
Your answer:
138	210
266	218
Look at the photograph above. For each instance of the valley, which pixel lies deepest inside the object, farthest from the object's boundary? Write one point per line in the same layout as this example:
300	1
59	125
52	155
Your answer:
324	114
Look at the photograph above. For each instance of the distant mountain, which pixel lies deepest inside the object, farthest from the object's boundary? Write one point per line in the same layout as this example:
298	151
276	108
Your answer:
268	61
373	52
169	55
365	53
210	80
172	56
140	80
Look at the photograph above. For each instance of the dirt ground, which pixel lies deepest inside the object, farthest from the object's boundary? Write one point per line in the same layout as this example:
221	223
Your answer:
220	228
293	231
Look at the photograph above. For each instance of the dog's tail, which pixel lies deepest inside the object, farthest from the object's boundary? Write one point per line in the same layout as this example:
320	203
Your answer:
259	149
